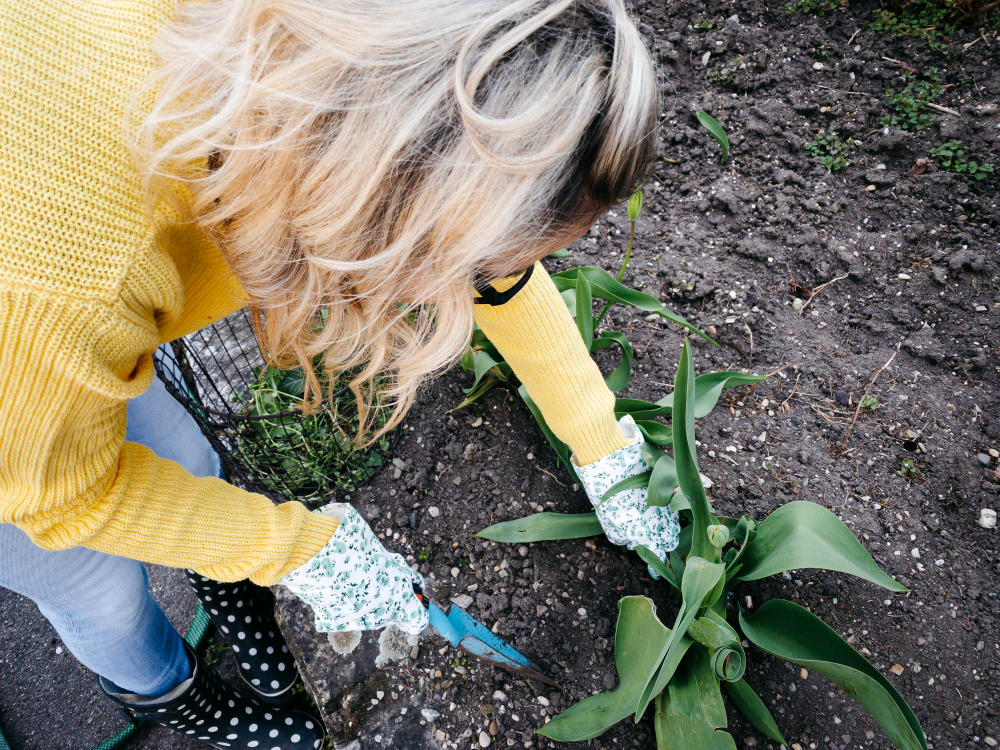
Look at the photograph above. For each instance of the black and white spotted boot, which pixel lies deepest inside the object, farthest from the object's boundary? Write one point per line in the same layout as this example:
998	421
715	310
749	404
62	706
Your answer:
241	613
208	709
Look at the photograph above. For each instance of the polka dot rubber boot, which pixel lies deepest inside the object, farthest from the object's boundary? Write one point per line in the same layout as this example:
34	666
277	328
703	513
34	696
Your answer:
208	709
239	612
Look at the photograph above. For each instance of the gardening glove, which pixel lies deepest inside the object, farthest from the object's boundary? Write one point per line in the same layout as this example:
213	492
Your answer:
626	518
354	583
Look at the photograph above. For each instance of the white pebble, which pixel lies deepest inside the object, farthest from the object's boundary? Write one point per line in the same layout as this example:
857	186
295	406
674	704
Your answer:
987	518
543	700
434	511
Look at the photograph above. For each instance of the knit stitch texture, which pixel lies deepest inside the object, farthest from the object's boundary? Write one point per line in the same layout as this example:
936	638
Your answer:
88	290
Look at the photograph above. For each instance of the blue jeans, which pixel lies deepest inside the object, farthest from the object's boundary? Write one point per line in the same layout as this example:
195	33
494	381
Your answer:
100	604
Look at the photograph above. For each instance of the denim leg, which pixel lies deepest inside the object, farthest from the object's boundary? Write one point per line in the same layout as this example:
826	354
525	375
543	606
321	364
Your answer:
100	604
101	607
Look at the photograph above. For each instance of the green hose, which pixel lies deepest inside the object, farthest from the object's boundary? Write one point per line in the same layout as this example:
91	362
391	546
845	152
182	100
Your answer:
195	635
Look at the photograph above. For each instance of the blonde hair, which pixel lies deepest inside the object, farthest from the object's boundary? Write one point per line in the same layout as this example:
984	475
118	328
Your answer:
372	157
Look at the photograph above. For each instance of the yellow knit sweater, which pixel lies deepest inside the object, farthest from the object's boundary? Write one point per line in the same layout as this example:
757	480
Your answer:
88	291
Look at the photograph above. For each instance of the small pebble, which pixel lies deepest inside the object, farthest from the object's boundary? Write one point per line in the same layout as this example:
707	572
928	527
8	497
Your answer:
434	511
987	518
430	715
455	572
804	673
499	696
543	700
983	459
896	669
484	739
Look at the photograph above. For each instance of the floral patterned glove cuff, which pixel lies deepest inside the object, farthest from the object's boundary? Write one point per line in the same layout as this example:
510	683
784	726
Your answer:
626	518
354	583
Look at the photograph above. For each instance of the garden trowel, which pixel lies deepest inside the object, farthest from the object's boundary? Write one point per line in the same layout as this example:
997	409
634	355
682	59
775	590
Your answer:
466	633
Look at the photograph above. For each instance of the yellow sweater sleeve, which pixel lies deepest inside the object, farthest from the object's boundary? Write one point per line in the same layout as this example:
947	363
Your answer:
537	336
68	478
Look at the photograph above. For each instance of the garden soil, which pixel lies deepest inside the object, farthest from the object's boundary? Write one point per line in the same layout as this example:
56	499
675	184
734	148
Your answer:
906	273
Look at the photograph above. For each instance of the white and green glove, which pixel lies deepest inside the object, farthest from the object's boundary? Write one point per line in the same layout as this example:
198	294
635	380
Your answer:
626	518
354	583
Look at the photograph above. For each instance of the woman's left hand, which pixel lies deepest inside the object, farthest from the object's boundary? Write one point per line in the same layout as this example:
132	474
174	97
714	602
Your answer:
626	517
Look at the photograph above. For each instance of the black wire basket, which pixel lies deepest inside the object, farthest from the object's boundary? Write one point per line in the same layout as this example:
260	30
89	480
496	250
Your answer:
221	378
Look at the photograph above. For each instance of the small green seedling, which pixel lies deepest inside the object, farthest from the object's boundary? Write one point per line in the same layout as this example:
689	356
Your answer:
909	104
951	156
725	74
869	402
830	150
909	469
715	129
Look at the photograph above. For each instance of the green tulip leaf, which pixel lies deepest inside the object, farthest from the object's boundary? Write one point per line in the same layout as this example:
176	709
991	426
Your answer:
723	644
708	389
543	527
750	705
584	311
698	581
715	129
654	432
639	638
795	634
607	287
686	460
662	483
802	534
649	557
618	379
636	481
482	363
561	253
690	713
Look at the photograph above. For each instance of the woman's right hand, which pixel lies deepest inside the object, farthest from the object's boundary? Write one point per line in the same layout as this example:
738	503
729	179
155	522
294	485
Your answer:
354	583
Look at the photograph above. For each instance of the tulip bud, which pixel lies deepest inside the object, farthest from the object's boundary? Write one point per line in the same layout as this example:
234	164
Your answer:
718	535
635	205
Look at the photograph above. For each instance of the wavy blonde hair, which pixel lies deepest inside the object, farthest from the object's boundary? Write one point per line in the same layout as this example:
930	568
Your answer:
373	157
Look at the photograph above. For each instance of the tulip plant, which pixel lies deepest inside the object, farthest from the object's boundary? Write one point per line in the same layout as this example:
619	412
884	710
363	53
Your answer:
683	670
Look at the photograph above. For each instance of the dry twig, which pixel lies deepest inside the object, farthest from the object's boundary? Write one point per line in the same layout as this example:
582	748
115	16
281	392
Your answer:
861	400
820	288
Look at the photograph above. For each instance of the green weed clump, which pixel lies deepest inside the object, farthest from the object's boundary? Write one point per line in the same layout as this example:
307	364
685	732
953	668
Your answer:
814	7
923	19
951	156
830	150
299	455
724	74
909	104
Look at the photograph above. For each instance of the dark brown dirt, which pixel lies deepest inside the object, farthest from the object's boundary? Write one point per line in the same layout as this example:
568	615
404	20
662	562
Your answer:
911	263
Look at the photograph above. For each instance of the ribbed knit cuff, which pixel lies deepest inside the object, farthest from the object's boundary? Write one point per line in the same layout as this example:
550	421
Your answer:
314	535
537	336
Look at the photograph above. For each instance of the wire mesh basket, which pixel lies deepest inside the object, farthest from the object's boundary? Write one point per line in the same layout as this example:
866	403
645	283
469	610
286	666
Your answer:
221	378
